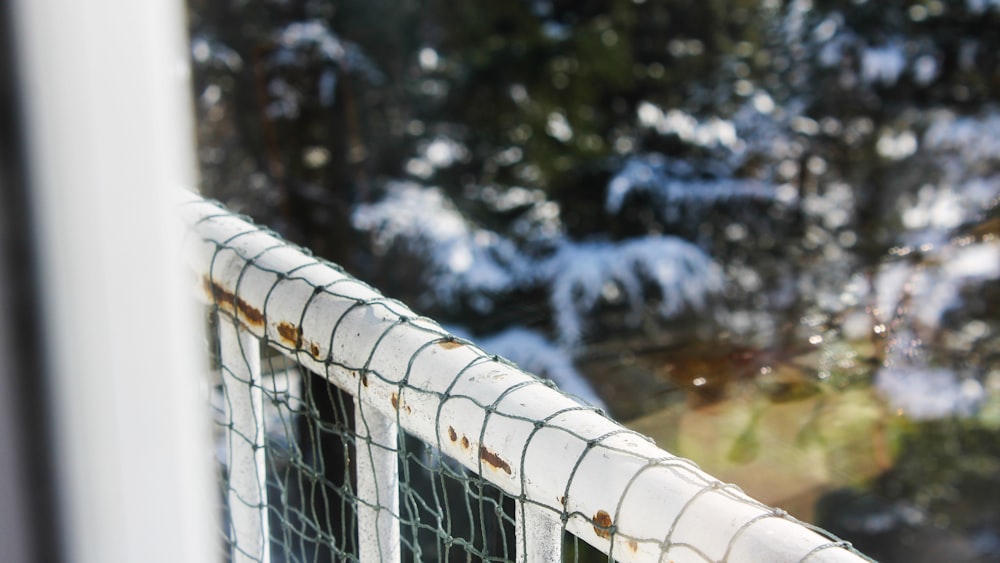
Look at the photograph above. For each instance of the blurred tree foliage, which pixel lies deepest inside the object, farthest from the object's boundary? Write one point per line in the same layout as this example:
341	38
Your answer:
308	107
491	76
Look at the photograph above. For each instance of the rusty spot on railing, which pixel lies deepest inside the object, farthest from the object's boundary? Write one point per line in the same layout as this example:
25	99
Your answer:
230	302
633	546
364	378
494	460
395	401
449	344
602	524
314	350
290	334
453	436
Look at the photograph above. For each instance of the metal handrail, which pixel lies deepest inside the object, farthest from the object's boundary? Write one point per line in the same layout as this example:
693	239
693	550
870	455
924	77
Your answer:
568	466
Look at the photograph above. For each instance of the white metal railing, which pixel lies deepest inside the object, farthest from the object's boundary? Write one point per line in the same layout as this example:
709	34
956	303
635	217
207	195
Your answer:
568	467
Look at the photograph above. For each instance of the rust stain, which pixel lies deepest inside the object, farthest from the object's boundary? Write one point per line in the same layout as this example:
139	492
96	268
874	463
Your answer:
562	501
290	333
452	435
314	350
465	442
450	344
493	459
229	301
633	546
364	378
395	401
408	409
602	524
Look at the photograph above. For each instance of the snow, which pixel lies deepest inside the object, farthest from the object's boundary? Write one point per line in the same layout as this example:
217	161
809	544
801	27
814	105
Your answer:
932	289
966	152
882	64
534	353
541	225
466	261
315	34
980	6
443	152
973	262
713	132
795	20
440	152
896	146
960	267
925	69
584	274
429	59
763	102
670	182
929	393
558	127
298	39
209	52
971	139
462	259
935	208
889	284
285	99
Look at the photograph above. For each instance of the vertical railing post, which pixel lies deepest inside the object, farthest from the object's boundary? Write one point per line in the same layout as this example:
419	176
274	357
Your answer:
539	534
244	404
378	485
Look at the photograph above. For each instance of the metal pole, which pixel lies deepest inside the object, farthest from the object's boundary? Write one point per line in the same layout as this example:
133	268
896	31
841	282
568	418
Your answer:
539	534
378	485
244	408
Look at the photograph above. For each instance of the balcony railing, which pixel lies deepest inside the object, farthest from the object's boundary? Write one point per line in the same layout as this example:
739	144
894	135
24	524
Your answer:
455	453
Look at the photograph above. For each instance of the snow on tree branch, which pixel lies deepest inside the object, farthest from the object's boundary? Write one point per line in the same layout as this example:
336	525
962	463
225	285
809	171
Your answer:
211	53
975	140
315	35
670	182
583	274
463	260
296	43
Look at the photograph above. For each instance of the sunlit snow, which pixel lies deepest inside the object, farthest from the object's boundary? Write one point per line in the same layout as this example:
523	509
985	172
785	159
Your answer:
882	64
313	38
708	133
461	258
929	393
669	182
583	274
209	52
558	127
532	352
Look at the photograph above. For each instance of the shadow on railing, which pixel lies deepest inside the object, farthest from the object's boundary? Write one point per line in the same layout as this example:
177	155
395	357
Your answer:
371	434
